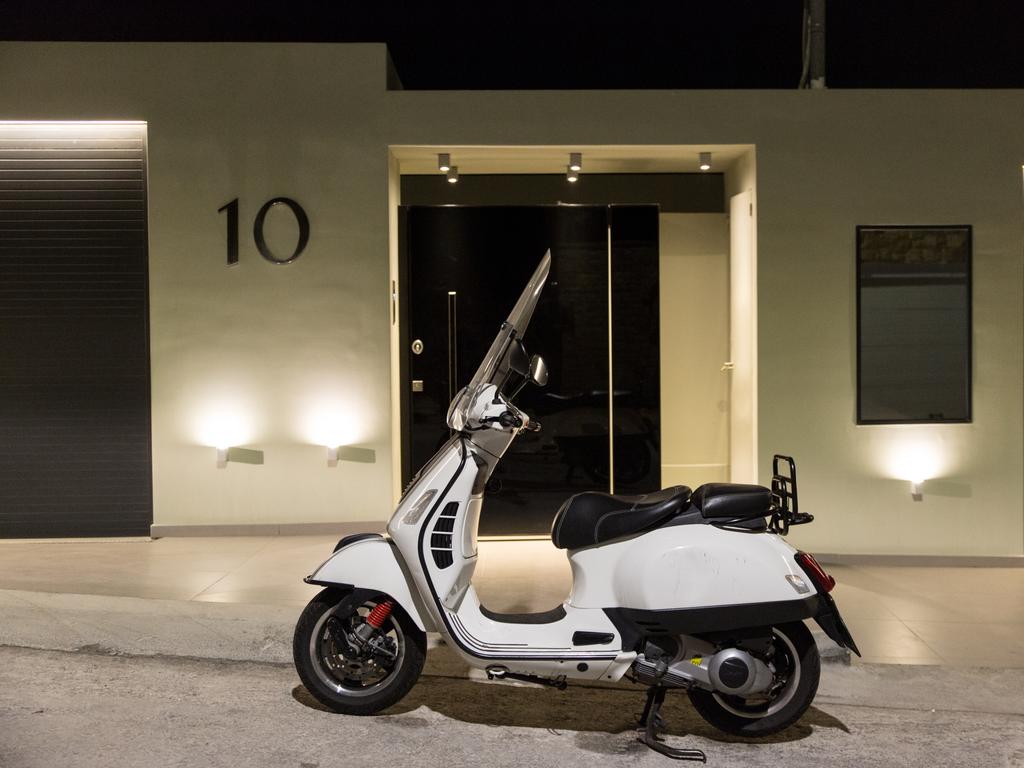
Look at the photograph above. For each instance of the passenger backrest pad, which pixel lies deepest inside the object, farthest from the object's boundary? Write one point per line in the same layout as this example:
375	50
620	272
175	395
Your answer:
732	500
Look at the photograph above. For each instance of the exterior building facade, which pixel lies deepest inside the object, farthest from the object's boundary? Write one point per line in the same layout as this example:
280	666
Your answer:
290	359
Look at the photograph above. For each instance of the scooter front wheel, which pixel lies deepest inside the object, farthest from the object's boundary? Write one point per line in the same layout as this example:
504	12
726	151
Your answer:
347	673
797	668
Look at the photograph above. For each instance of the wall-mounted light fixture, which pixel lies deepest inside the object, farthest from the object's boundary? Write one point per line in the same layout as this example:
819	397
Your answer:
576	161
453	174
571	176
238	456
705	161
917	456
350	453
444	162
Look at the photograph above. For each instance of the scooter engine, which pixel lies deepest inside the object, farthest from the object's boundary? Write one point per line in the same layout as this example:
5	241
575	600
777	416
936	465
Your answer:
736	672
730	670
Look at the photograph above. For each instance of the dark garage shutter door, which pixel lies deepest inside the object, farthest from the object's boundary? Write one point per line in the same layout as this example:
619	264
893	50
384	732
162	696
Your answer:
74	347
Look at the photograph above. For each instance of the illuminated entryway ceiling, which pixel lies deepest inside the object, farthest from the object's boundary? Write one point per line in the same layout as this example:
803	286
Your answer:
675	158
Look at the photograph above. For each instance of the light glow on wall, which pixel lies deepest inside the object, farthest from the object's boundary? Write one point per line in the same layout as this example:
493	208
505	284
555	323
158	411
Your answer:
222	423
331	421
915	456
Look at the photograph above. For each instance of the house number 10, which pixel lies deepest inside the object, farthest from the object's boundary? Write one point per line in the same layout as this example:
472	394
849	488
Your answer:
257	230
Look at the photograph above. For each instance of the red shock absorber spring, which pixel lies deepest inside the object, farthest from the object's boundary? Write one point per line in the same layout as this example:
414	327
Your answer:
379	614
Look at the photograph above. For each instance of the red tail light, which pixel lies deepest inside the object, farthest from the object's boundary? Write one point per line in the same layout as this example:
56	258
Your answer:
813	569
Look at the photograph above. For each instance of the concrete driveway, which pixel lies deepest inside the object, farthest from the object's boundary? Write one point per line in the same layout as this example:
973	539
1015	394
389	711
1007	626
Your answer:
93	710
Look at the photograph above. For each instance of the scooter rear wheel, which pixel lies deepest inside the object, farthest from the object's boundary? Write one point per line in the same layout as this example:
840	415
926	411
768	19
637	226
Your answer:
349	682
797	669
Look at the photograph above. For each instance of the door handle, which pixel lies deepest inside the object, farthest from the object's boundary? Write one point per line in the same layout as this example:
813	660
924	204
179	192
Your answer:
730	366
453	344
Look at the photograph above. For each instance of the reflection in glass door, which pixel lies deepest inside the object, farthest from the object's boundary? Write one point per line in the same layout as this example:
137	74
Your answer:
462	269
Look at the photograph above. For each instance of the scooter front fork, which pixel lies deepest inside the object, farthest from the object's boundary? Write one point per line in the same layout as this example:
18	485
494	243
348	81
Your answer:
368	637
651	721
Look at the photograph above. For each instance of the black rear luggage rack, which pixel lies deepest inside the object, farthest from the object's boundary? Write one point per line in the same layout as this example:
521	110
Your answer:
785	503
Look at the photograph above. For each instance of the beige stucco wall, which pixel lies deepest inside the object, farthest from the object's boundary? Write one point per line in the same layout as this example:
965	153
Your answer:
694	310
253	354
827	161
313	122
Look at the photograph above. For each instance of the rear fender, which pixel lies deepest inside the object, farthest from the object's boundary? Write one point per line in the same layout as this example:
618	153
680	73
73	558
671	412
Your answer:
832	623
372	563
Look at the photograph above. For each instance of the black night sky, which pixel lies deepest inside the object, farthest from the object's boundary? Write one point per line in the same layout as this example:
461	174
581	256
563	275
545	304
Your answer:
640	44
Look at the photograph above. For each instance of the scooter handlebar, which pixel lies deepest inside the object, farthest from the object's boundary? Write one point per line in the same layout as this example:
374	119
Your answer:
511	418
518	420
522	420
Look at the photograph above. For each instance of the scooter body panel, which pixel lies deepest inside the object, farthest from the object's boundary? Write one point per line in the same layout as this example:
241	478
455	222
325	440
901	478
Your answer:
434	528
373	564
673	568
580	643
685	566
429	527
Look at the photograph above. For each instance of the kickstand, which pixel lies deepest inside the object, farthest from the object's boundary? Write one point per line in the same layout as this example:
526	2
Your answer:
651	722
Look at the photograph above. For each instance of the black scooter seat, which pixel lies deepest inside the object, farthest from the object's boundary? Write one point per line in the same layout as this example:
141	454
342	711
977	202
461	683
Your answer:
590	517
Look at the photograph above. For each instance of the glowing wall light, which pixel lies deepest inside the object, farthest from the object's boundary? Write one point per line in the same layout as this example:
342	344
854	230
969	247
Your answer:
339	424
916	462
221	423
222	415
350	453
238	456
915	456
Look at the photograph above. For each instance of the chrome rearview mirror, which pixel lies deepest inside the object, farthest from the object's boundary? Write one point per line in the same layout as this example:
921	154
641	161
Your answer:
538	371
518	362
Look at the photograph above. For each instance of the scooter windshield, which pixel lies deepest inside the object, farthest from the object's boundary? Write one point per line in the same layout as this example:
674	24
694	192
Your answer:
495	363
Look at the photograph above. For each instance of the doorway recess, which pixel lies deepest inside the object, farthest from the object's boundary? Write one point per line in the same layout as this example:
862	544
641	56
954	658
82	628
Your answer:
530	176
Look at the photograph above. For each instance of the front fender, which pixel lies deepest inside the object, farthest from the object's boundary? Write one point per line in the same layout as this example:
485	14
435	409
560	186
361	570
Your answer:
372	563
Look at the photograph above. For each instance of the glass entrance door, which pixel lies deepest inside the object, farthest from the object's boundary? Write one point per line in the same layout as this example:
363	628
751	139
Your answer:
462	269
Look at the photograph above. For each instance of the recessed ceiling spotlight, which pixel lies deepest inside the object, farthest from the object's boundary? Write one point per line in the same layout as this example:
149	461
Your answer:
453	174
571	174
576	161
444	162
705	161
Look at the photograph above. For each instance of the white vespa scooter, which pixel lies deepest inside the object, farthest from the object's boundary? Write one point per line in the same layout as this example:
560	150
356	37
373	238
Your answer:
675	589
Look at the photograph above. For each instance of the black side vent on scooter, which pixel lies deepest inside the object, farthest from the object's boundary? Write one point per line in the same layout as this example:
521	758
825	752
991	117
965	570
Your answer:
653	627
441	538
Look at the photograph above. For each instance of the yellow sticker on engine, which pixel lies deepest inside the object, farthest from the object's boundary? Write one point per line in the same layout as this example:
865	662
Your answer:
695	661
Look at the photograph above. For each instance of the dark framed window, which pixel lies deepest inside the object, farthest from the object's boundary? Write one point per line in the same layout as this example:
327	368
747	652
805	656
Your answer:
913	324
